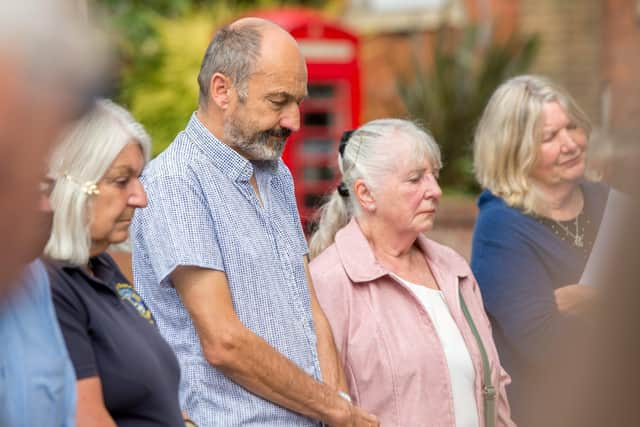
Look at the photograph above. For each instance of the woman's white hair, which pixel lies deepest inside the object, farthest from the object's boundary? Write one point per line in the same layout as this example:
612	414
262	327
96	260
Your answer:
509	133
366	156
85	154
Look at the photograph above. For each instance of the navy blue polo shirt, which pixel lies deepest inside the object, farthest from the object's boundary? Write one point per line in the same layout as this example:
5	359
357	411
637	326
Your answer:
110	333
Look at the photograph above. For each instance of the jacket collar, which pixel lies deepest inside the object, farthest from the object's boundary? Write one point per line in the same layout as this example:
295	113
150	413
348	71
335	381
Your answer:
361	265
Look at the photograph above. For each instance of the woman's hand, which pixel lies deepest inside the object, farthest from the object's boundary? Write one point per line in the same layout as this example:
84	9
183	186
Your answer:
575	299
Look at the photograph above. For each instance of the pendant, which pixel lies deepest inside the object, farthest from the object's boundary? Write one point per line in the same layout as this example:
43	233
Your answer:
578	241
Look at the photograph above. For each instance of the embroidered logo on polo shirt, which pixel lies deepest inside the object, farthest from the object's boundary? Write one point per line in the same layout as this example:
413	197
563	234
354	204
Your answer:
127	293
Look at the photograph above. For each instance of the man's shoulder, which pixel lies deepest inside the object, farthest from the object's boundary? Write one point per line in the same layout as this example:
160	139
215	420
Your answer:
177	159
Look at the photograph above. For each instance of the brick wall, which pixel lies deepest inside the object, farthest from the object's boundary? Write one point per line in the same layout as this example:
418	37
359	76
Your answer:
387	55
622	68
572	40
592	47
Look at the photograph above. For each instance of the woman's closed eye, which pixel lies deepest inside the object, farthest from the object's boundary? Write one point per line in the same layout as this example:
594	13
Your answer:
120	181
548	136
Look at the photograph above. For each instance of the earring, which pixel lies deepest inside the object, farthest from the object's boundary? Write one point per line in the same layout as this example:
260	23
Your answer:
372	206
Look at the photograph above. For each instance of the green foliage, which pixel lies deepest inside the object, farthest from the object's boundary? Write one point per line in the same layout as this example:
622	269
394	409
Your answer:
163	98
450	96
160	45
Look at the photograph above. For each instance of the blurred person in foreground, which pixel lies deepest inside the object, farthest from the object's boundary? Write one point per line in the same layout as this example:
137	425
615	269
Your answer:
608	397
538	219
127	375
219	253
46	81
37	382
406	312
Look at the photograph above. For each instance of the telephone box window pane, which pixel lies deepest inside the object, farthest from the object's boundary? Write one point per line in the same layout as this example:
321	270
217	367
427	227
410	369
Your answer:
317	118
317	146
318	173
313	200
321	91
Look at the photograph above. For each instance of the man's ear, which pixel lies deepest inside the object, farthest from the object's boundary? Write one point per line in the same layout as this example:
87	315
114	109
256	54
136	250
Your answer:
363	194
220	90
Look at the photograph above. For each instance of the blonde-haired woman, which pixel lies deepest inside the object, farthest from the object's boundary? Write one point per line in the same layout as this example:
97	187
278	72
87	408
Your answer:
406	312
537	222
127	375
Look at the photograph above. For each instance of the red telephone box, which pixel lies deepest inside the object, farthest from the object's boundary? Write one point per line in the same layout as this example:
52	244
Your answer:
333	104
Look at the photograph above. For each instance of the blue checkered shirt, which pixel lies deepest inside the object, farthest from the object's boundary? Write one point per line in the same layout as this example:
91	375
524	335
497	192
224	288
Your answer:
203	212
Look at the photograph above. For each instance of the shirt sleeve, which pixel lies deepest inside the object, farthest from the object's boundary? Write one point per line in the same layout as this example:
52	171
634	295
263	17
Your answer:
176	228
74	324
518	292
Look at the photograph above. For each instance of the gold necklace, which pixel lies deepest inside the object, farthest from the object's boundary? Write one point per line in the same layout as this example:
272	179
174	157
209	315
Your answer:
578	237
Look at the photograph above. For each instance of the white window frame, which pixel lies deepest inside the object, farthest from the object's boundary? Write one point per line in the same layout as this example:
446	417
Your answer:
367	18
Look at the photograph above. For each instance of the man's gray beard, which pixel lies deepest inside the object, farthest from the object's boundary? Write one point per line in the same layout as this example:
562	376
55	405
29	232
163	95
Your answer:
255	147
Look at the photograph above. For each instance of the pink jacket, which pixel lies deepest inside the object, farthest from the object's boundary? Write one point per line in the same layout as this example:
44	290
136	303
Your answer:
393	359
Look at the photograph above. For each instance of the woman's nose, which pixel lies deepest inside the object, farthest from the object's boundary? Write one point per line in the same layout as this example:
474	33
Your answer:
568	143
433	189
138	198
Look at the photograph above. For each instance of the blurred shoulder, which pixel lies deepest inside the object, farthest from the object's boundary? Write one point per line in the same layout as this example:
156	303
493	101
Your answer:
596	192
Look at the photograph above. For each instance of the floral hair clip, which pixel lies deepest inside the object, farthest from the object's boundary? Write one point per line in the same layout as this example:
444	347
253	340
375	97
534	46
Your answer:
90	188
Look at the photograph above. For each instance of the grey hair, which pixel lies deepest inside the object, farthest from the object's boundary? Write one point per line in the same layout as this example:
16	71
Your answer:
366	157
79	162
56	48
233	52
509	133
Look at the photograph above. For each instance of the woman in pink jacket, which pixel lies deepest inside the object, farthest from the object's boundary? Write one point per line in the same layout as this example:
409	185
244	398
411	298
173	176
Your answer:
406	312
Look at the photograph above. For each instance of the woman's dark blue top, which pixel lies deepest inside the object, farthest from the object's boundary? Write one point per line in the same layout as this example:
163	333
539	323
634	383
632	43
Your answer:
111	334
518	263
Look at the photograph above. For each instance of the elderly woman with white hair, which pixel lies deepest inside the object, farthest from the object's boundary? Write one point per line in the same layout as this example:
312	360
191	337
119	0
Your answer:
127	375
406	312
538	218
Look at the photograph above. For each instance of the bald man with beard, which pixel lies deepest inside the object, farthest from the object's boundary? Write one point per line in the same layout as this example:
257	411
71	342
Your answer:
219	253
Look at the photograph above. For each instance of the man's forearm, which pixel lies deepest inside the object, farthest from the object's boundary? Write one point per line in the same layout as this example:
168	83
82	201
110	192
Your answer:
330	364
251	362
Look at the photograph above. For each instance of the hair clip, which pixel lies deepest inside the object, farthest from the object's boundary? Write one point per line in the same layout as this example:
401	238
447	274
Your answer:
90	188
344	139
343	190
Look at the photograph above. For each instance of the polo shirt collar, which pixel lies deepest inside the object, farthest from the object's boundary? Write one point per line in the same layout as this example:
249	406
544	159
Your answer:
104	275
364	267
229	161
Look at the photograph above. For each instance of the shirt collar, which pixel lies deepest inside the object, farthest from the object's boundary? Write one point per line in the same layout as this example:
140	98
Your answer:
361	265
229	161
104	274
